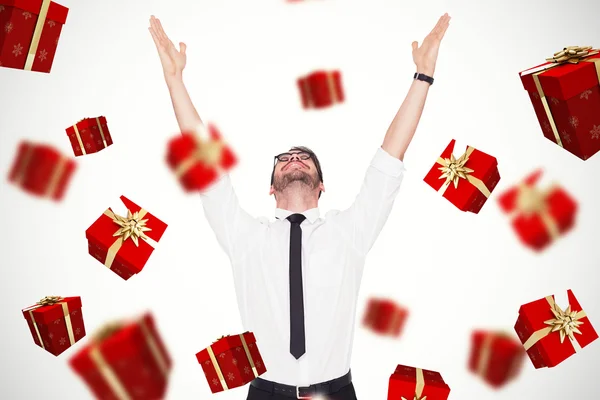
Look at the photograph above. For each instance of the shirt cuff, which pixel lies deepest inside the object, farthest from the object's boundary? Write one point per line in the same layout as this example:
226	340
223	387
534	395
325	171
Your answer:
387	164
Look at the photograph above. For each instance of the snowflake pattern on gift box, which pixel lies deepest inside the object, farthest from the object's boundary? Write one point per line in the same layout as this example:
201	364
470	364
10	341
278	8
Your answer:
574	121
595	132
99	142
215	381
8	27
554	101
258	364
56	322
88	146
251	345
546	126
222	355
51	335
247	370
207	362
234	361
51	24
26	15
535	95
46	345
1	8
62	341
139	392
238	349
565	136
43	55
75	312
585	94
77	331
230	376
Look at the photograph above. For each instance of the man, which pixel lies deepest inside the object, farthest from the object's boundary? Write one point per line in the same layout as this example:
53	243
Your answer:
297	278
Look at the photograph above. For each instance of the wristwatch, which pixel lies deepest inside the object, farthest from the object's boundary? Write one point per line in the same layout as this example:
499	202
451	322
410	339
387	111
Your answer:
424	78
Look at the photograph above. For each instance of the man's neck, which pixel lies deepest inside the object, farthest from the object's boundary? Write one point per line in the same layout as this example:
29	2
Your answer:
297	201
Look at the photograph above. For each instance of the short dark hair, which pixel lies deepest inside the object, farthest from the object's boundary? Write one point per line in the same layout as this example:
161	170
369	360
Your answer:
314	158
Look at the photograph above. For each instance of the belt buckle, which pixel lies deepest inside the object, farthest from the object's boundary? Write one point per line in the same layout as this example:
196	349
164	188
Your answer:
298	393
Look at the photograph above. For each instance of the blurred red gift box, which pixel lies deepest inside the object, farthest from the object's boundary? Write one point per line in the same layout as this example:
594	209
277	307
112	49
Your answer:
321	89
385	317
496	357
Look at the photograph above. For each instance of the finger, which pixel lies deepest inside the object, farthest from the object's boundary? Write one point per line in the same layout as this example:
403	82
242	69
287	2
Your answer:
443	31
154	38
161	31
182	48
415	45
437	25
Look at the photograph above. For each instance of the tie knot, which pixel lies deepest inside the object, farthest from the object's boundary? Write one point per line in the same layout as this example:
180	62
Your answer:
296	218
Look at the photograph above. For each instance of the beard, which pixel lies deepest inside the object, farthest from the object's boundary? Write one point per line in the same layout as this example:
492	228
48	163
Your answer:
280	183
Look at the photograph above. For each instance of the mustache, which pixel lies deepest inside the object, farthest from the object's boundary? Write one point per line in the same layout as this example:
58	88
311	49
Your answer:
290	163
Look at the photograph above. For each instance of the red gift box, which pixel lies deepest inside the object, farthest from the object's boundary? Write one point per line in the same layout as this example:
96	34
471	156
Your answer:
566	99
90	135
409	383
231	361
41	170
29	33
466	181
539	217
385	317
125	361
321	89
136	236
197	162
55	323
495	356
551	335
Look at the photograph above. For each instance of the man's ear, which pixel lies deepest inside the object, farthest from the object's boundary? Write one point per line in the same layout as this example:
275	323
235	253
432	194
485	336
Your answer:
322	187
271	190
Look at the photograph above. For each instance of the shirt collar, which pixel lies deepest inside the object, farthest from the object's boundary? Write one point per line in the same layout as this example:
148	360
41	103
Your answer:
312	215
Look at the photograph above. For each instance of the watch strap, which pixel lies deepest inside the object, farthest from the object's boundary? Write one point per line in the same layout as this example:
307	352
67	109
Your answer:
423	77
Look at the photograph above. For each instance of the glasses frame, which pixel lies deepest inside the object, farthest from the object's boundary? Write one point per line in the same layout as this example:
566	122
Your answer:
276	158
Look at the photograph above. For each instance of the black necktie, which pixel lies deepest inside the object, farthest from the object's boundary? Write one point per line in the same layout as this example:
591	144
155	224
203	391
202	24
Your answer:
297	346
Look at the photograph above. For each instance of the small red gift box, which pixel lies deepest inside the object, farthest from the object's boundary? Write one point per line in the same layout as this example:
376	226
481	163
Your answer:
41	170
539	217
55	323
29	33
385	317
321	89
197	162
409	383
565	94
466	181
90	135
125	361
231	361
551	335
495	356
124	244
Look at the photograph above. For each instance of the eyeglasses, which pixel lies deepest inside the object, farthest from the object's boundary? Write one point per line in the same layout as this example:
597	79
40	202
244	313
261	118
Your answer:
285	157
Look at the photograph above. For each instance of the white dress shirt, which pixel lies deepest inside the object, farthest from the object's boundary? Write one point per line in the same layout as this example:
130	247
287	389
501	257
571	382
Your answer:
333	258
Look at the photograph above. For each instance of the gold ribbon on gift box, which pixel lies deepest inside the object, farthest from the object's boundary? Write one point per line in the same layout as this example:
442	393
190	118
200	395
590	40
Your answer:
483	363
49	301
37	34
532	201
217	368
110	377
570	55
419	388
130	227
78	136
566	323
453	169
54	180
209	152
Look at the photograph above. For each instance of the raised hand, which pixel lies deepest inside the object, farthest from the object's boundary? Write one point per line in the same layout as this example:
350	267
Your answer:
172	60
425	56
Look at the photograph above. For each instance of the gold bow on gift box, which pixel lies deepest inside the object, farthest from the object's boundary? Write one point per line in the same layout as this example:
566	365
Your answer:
208	152
570	55
453	169
49	300
566	323
532	201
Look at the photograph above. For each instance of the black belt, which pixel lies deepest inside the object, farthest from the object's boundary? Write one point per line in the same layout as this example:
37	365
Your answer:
303	392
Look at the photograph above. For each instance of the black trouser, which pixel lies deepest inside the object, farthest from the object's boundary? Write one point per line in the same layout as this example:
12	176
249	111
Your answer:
345	393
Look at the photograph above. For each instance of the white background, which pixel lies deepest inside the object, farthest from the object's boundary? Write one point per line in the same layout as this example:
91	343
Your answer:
453	270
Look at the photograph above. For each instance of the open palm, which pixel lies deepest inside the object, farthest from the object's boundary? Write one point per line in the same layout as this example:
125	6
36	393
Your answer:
426	55
172	60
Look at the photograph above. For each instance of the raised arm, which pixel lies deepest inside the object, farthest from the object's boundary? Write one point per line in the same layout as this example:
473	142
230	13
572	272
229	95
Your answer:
232	225
404	125
173	62
364	219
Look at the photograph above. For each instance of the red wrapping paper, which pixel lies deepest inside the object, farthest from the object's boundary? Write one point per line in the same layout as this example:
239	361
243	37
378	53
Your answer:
466	196
385	317
531	228
495	356
52	324
549	351
134	354
403	385
233	363
18	20
90	132
321	89
130	259
573	95
200	173
41	170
